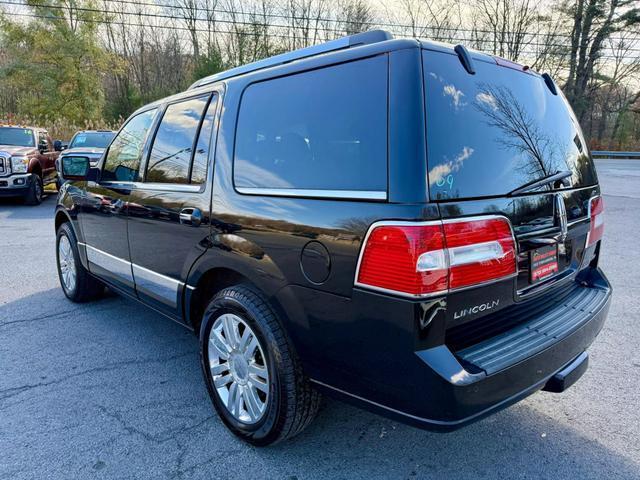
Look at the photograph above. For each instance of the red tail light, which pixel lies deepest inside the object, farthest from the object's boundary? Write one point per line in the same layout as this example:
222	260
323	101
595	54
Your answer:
596	216
434	257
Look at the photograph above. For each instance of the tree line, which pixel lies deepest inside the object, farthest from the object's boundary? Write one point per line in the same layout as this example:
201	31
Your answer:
78	63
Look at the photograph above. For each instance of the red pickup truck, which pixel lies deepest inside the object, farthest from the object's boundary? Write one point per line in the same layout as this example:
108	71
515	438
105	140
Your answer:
27	162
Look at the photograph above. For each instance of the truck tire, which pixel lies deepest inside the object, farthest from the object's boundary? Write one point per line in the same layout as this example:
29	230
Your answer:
253	375
36	191
77	283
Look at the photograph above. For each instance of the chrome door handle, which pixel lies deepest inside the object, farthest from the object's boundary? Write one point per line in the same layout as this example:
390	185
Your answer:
191	216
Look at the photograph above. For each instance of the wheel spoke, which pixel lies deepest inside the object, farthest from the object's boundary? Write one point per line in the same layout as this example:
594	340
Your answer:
220	345
219	369
231	331
259	384
247	336
223	381
236	401
253	403
253	344
232	400
258	370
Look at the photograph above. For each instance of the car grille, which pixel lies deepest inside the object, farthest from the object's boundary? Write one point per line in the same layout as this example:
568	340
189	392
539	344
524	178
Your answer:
5	166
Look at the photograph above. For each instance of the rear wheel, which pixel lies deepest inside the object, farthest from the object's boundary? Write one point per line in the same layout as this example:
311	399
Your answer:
35	192
254	378
76	282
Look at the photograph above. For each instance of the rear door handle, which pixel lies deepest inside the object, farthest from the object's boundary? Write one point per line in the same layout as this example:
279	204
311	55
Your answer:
191	216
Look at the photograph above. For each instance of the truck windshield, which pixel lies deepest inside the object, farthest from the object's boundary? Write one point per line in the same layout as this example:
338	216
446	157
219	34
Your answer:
20	137
490	133
91	140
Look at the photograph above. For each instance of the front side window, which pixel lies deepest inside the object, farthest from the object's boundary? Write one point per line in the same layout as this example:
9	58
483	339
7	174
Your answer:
172	149
324	129
123	158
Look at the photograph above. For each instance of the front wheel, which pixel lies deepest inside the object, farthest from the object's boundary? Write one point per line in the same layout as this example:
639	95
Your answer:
254	378
36	191
76	282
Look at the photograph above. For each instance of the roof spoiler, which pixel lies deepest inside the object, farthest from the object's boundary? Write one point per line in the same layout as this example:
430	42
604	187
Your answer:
364	38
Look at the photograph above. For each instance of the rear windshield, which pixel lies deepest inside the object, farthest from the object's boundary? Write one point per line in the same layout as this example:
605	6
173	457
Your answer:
493	132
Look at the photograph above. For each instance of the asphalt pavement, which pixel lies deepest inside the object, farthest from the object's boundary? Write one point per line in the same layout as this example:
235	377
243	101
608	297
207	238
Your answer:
113	390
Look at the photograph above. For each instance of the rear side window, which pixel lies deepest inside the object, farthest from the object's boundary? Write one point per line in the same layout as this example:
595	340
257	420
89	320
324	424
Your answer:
172	151
493	132
123	159
322	130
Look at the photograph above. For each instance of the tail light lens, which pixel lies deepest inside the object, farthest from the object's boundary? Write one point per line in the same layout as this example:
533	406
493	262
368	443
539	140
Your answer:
432	258
596	216
404	258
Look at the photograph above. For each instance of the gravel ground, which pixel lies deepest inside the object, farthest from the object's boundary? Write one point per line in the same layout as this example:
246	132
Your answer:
113	390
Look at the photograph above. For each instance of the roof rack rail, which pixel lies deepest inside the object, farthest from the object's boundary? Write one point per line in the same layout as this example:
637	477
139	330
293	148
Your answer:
364	38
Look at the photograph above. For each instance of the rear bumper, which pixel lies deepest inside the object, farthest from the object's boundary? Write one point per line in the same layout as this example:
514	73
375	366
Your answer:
440	390
15	185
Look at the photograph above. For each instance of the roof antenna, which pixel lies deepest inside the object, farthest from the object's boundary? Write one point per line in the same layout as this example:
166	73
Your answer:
465	58
550	83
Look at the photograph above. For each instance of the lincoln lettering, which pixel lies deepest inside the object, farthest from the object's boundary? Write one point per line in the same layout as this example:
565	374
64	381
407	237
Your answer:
476	309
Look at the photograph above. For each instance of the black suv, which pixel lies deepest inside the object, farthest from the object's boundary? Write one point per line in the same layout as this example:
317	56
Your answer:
411	227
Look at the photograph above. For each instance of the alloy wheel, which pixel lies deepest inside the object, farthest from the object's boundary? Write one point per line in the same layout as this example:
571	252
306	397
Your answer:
238	368
66	263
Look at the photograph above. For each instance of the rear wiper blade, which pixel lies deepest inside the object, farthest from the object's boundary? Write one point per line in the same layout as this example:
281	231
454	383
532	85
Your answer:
553	178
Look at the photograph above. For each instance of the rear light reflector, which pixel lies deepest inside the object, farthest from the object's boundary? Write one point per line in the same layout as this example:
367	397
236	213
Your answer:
596	218
435	257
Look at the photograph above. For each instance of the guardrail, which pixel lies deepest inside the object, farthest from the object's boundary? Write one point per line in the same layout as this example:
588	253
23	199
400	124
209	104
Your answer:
608	154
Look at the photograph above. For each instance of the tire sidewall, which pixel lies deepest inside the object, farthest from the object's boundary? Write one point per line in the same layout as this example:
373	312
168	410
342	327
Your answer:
263	431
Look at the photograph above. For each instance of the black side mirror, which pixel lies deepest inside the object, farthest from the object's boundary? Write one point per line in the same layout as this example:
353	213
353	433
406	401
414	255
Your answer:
125	174
57	145
75	168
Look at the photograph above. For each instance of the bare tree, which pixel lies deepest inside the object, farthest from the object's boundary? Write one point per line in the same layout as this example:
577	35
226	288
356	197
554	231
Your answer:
503	27
593	22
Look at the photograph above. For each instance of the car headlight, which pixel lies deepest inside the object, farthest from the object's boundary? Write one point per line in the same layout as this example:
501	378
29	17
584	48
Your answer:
19	164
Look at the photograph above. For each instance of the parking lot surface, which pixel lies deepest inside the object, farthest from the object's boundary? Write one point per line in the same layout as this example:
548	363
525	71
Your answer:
113	390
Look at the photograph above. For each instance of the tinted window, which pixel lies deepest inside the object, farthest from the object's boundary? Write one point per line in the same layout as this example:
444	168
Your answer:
201	156
21	137
91	140
492	132
323	130
123	159
172	149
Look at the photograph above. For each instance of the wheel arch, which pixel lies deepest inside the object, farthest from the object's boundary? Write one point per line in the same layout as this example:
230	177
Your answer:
211	275
36	168
61	217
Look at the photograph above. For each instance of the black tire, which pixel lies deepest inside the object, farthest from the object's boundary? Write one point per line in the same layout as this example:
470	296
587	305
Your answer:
292	403
86	287
36	191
